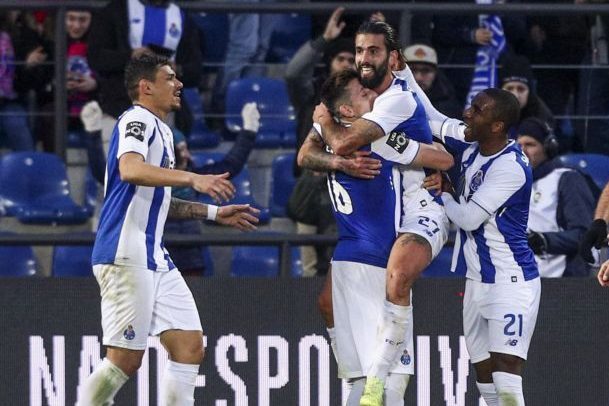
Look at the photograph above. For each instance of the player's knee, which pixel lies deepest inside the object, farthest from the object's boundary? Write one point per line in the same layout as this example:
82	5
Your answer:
195	352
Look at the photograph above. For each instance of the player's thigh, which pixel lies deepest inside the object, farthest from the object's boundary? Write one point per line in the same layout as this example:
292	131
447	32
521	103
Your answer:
127	301
174	306
475	326
511	310
324	300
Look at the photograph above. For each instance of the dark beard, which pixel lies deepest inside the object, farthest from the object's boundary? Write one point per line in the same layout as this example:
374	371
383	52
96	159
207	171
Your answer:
377	78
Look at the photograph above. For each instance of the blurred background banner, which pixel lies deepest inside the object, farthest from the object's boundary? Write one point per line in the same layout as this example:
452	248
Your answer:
265	345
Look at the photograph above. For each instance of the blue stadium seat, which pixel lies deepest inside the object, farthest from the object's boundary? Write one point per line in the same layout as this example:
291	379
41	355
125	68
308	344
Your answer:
200	136
261	261
214	27
282	183
72	260
289	33
277	118
34	188
242	184
595	165
17	261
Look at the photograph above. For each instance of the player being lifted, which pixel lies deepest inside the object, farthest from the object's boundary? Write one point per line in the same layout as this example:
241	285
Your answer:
491	209
399	114
368	214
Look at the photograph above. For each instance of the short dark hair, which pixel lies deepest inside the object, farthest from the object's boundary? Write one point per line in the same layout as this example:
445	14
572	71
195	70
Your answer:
507	108
392	42
333	90
141	67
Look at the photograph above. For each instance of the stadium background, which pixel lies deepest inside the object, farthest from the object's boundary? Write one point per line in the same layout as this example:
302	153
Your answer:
569	356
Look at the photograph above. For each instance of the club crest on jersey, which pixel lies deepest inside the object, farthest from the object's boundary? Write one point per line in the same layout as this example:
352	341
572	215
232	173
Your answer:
136	130
476	181
129	333
174	31
405	358
398	141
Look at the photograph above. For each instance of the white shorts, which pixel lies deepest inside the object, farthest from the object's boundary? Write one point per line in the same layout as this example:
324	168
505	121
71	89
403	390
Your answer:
430	222
358	296
136	303
499	317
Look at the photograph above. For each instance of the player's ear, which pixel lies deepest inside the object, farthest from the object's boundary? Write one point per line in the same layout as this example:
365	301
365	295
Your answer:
498	127
346	111
145	87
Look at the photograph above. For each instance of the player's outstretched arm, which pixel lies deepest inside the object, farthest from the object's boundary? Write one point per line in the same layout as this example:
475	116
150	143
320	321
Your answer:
433	157
346	140
313	156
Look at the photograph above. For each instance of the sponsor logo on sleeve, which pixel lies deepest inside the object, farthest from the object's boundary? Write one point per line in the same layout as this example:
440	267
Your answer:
135	129
398	141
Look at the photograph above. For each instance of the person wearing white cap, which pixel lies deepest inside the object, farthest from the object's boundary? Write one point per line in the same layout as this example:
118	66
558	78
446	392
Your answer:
423	62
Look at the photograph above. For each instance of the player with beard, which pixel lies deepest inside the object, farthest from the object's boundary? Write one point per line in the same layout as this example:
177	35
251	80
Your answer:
399	113
364	241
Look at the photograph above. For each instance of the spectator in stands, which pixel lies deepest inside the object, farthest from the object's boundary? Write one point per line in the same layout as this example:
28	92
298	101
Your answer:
423	62
125	28
303	88
596	236
81	83
14	129
456	39
517	78
593	99
189	259
561	204
249	39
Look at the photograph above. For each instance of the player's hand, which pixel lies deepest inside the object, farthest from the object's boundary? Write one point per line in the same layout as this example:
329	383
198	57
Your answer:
483	36
596	237
241	216
217	186
360	165
603	274
334	26
433	182
537	242
321	114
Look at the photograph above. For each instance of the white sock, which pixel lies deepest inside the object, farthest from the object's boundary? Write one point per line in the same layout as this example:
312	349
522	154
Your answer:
509	389
489	393
102	385
395	389
356	390
178	384
393	335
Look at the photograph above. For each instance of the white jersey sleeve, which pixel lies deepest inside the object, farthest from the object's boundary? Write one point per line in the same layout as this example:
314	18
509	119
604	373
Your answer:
392	108
504	178
135	128
396	148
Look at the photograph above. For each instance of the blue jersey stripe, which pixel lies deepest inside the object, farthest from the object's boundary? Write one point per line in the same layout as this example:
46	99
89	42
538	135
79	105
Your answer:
114	209
153	216
487	269
154	26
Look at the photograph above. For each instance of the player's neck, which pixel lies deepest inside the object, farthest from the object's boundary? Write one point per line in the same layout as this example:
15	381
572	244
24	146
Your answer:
151	108
492	146
385	84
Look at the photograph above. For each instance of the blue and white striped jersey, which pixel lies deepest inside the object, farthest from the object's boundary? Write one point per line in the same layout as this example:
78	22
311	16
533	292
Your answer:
498	251
160	26
133	217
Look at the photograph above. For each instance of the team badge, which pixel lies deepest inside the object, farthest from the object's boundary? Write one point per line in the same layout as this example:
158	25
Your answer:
405	358
129	333
398	141
476	180
174	31
136	130
536	197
